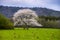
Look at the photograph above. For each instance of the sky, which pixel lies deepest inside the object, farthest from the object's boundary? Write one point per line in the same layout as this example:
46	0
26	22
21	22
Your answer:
51	4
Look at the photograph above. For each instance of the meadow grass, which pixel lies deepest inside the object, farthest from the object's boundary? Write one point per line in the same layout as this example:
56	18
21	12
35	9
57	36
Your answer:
30	34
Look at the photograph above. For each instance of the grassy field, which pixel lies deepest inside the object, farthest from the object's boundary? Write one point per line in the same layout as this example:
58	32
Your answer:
31	34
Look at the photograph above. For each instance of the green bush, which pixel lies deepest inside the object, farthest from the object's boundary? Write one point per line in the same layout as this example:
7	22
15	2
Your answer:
5	23
49	24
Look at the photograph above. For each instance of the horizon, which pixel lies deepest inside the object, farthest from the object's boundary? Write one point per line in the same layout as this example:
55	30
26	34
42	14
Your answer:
50	4
30	7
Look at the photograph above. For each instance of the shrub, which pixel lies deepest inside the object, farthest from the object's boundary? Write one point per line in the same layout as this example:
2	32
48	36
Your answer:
5	23
49	24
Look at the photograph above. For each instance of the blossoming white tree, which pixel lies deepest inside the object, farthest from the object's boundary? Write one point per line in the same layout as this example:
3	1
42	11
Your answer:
25	17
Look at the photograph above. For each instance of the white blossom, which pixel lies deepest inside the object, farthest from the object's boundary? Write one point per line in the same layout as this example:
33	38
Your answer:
25	17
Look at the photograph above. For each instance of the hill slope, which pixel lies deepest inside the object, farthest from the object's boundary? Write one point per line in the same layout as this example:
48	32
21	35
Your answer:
9	11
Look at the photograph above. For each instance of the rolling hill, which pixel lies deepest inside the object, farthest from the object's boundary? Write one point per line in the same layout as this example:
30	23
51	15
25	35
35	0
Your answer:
9	11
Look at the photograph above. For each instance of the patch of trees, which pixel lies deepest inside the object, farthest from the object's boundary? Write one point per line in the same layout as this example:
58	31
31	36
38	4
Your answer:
49	21
46	21
50	18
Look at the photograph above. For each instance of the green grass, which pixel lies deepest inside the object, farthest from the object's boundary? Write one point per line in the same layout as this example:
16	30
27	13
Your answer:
31	34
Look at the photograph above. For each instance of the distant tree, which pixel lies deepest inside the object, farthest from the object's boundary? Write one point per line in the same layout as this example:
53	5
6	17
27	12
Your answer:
50	18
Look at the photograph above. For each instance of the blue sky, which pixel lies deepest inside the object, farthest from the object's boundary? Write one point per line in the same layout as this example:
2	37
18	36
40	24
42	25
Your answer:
52	4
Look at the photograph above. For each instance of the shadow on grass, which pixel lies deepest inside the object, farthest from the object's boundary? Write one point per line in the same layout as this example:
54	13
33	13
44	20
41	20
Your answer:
6	29
46	27
28	28
40	27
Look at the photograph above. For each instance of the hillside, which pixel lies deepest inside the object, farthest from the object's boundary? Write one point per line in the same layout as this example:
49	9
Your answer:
9	11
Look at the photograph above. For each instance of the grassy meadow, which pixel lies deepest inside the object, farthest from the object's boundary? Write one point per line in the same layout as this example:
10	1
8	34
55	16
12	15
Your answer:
30	34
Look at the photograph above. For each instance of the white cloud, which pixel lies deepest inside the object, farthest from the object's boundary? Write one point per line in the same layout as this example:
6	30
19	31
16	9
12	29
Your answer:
26	2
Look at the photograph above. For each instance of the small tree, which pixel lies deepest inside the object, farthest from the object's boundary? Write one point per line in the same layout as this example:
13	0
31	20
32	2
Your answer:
5	23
